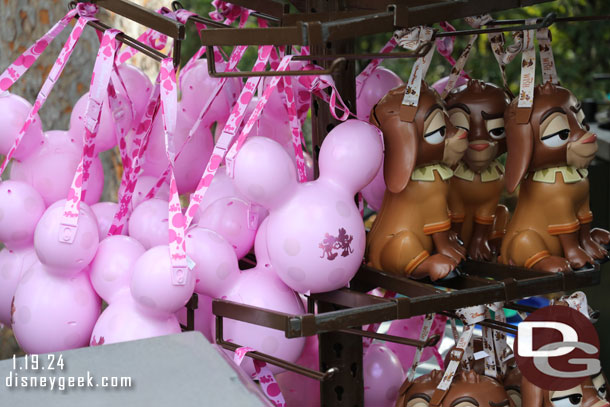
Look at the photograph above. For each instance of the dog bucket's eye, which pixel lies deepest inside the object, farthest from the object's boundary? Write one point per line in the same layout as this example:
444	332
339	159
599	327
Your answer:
556	139
437	136
435	128
569	400
600	385
459	119
418	402
497	133
495	127
555	130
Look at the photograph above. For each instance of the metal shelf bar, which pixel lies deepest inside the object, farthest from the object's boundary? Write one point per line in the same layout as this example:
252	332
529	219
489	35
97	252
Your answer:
358	308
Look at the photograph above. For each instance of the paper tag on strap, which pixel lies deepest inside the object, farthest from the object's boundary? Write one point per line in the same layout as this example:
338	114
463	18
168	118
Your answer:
547	62
528	76
411	40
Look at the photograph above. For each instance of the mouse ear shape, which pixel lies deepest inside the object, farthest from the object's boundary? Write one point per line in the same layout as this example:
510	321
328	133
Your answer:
351	154
519	146
264	172
400	140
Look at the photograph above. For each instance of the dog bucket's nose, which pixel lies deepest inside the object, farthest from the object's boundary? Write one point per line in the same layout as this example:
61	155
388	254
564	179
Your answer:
478	146
591	139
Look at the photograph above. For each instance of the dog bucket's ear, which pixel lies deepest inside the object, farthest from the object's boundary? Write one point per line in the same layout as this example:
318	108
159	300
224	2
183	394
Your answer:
401	147
519	146
531	395
402	394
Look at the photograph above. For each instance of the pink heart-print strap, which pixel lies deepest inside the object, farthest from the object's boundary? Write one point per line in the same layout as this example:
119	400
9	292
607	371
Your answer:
366	342
317	85
228	133
149	37
444	45
169	109
236	56
287	92
98	90
230	159
287	95
370	68
183	15
263	374
132	166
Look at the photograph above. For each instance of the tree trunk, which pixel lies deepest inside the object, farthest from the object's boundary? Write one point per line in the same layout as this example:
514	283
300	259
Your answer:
25	21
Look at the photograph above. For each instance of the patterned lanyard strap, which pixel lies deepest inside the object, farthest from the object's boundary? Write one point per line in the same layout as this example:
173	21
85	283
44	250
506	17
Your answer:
97	92
318	85
183	15
226	138
502	350
370	68
149	37
236	56
474	22
423	337
228	133
547	62
411	39
528	76
132	159
286	91
503	55
577	301
176	221
470	316
263	374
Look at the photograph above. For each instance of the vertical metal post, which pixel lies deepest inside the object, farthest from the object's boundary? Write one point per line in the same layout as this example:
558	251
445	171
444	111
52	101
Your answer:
322	120
340	350
344	352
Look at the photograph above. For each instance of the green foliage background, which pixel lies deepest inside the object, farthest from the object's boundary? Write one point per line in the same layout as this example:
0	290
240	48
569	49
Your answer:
580	49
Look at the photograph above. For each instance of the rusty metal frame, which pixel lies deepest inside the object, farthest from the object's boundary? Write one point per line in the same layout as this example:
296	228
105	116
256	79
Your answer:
570	19
190	306
313	374
336	66
545	22
307	30
145	17
419	52
480	283
126	39
488	323
432	340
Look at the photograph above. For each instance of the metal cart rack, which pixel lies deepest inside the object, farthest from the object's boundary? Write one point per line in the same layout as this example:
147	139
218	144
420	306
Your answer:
329	28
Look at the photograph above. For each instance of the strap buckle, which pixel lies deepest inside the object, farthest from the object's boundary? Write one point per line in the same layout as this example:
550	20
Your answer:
67	233
179	274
